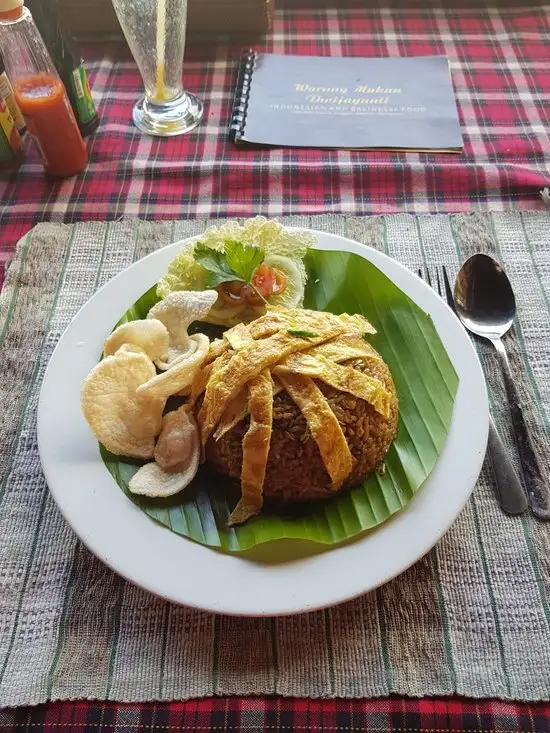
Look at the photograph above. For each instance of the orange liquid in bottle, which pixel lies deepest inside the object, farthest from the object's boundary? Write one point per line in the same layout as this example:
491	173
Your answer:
50	120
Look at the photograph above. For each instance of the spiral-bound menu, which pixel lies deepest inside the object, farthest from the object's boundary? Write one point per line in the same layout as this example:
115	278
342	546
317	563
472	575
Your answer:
404	103
242	95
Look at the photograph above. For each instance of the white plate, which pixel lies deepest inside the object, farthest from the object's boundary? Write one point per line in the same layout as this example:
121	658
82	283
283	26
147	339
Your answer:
173	567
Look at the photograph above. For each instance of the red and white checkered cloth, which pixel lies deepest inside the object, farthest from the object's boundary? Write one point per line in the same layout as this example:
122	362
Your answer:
501	72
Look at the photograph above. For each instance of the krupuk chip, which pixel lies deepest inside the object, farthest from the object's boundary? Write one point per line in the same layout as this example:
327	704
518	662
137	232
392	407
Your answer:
123	420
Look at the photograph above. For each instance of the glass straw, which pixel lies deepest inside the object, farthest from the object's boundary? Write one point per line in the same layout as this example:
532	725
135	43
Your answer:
161	36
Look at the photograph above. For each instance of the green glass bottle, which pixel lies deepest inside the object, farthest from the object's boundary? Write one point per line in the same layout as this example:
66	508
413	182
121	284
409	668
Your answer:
68	62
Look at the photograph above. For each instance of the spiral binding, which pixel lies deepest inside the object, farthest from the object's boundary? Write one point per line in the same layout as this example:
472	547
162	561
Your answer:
242	94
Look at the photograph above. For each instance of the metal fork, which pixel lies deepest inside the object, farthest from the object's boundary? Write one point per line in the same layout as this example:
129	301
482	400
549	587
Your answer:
510	492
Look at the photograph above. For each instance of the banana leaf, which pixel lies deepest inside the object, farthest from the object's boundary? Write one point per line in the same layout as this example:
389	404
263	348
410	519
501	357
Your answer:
426	384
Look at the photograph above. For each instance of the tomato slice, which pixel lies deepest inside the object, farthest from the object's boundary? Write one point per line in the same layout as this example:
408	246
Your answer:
266	282
263	282
233	293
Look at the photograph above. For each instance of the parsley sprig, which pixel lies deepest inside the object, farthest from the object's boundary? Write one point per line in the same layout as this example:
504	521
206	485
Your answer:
238	262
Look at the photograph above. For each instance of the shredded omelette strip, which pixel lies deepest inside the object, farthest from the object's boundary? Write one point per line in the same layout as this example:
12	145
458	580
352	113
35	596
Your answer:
301	318
200	382
358	323
235	411
255	448
345	347
238	336
217	348
248	362
339	349
341	377
208	372
324	426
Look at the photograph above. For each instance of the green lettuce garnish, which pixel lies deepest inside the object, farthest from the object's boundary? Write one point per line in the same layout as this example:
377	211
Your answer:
241	245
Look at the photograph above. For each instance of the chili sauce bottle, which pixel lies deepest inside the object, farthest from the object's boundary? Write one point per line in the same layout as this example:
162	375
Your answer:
39	92
68	62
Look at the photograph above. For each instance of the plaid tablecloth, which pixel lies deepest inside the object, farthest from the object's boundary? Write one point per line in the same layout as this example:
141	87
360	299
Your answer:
253	715
501	72
499	63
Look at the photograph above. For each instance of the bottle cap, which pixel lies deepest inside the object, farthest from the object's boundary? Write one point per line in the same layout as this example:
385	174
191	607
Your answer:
7	5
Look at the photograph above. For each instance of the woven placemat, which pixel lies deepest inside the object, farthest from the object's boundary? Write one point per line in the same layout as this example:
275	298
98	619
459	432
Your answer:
472	617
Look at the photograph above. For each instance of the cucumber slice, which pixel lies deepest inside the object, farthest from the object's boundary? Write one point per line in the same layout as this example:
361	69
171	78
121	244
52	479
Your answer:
293	295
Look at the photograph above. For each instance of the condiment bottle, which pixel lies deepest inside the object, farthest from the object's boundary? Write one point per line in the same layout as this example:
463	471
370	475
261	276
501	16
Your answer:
11	148
6	92
39	92
68	62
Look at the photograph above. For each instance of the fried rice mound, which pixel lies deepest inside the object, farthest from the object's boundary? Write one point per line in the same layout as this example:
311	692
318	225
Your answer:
295	470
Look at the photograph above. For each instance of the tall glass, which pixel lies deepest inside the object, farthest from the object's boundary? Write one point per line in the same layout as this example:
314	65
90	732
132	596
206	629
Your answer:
155	32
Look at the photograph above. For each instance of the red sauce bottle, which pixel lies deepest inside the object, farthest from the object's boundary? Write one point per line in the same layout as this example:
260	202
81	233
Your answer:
39	92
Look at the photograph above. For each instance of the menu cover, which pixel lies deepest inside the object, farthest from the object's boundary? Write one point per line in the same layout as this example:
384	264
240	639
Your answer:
391	103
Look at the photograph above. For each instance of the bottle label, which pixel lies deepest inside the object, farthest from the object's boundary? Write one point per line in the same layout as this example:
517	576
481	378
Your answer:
6	92
81	95
10	142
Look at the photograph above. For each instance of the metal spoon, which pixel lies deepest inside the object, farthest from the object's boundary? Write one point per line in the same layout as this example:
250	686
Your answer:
486	305
508	486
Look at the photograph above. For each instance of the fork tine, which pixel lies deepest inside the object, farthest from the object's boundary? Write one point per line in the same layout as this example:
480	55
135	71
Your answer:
448	290
439	289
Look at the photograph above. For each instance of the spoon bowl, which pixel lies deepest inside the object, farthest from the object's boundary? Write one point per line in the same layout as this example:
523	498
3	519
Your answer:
484	298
